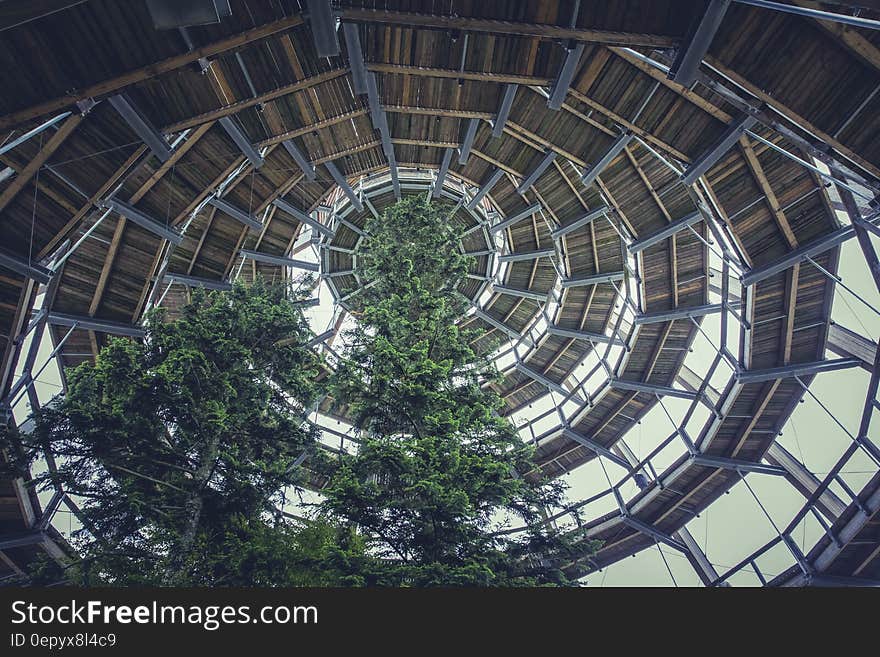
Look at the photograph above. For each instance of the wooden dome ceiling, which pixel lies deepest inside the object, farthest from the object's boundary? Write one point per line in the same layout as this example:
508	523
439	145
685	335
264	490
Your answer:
230	137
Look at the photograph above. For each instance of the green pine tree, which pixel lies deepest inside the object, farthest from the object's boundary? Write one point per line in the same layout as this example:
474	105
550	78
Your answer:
437	467
179	446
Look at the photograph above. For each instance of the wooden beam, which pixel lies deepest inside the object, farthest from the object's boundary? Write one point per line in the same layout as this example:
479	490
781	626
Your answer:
18	183
312	127
647	136
114	84
237	106
540	30
791	290
455	74
655	73
439	111
772	202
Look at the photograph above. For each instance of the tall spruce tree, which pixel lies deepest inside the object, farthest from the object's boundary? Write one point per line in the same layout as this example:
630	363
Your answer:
437	467
179	445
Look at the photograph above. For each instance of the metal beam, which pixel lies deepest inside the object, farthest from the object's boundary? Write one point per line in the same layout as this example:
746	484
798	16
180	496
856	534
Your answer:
521	256
441	175
837	581
536	173
32	270
589	336
95	324
239	215
805	481
517	292
143	220
799	254
687	61
33	131
318	339
797	369
464	150
141	126
650	388
654	533
710	157
344	186
354	227
323	25
684	312
504	110
592	215
244	145
664	233
697	557
301	160
591	173
373	99
485	189
498	324
355	57
392	167
519	216
22	540
566	75
544	381
850	344
281	204
281	261
818	14
592	279
197	281
692	381
595	447
737	464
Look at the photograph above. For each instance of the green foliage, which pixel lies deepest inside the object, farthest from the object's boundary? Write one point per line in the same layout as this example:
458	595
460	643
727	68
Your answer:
438	468
179	445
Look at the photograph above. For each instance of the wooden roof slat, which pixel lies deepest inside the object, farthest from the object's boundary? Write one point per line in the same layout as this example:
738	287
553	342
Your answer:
114	84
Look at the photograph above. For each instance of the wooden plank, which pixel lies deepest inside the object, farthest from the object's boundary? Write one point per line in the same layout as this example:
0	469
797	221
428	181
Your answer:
794	116
312	127
647	136
791	290
684	92
237	106
453	74
772	202
114	84
848	36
